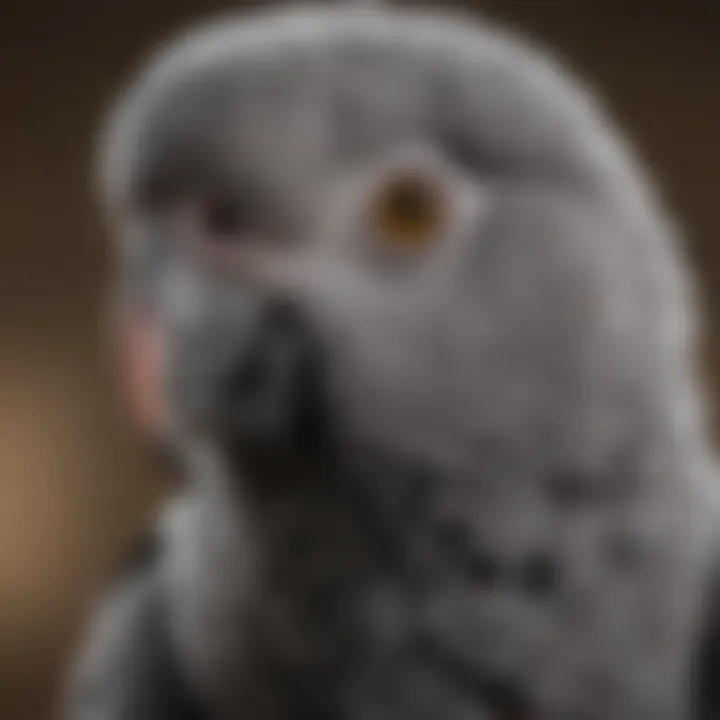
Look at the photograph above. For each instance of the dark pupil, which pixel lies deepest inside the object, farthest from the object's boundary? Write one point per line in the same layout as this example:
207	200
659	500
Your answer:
409	201
223	216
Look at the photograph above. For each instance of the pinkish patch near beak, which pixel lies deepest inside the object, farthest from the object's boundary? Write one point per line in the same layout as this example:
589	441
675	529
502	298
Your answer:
141	374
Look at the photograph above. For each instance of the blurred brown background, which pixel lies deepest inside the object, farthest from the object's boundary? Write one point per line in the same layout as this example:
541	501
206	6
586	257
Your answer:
74	483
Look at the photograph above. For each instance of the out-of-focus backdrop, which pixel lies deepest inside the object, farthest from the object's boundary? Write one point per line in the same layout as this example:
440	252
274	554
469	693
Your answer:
74	482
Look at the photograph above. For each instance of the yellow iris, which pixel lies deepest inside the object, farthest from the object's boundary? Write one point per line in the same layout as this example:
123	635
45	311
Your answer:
408	211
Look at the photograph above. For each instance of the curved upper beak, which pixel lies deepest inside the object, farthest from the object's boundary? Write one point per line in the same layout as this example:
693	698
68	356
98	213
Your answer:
271	394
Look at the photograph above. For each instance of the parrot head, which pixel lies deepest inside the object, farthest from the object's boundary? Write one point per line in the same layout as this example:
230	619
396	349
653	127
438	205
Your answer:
388	227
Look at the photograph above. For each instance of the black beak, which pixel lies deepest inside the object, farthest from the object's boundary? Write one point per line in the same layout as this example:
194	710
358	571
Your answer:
273	393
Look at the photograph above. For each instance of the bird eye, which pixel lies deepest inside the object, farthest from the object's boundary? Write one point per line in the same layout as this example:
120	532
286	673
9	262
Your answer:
222	217
213	222
408	211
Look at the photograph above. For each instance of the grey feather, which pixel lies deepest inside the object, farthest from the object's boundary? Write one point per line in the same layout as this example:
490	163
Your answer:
503	503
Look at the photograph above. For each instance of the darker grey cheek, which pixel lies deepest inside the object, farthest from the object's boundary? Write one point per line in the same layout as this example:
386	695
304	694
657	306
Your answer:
190	377
242	366
201	348
145	253
139	279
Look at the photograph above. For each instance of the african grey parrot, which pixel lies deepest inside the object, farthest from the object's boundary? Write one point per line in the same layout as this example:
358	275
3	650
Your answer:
425	347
